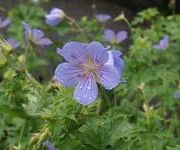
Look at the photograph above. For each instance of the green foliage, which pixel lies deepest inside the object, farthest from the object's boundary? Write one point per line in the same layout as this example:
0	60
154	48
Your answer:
31	14
139	114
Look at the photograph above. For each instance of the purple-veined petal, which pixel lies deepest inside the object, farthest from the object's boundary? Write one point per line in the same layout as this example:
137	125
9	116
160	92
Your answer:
97	52
13	43
108	76
74	52
68	74
86	90
77	52
5	23
121	36
109	35
37	34
44	41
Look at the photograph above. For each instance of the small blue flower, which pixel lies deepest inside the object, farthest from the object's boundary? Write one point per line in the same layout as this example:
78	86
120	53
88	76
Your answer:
55	16
13	43
4	23
35	36
49	145
110	36
87	65
103	17
163	44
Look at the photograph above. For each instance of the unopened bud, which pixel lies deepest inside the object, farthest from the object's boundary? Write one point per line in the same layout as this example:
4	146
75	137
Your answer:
120	17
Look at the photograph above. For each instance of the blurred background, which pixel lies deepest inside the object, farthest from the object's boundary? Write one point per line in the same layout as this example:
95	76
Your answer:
78	8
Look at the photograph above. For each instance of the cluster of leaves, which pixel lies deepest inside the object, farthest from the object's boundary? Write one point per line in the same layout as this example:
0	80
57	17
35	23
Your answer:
140	114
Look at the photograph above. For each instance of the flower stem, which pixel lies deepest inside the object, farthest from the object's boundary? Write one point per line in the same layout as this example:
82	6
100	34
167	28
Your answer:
128	23
104	99
22	131
76	25
27	74
27	48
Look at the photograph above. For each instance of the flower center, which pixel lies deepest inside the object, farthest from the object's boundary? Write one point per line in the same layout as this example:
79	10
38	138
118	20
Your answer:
90	66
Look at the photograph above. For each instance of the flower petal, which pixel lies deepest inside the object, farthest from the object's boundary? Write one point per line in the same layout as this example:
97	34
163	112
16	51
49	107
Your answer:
111	59
118	62
97	52
86	90
58	51
44	41
27	27
163	44
52	22
77	52
28	30
103	17
165	40
37	34
68	74
74	52
55	16
13	43
116	53
5	23
109	35
121	36
56	10
108	76
49	145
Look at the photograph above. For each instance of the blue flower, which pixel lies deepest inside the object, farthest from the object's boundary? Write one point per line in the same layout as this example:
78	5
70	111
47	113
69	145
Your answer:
87	65
13	43
103	17
163	44
55	16
49	145
35	36
110	36
4	23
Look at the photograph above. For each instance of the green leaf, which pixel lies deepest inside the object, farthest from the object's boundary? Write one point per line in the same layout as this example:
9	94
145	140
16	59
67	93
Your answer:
13	111
9	74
